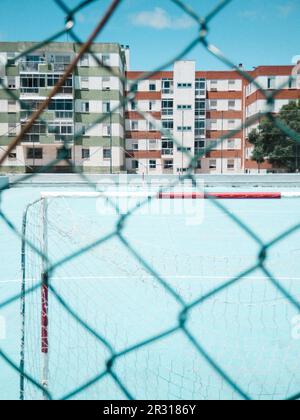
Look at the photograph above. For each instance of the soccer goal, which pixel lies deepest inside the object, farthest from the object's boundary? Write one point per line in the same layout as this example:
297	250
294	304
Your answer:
96	285
81	284
84	294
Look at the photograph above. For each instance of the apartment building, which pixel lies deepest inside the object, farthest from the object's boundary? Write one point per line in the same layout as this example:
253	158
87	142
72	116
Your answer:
88	95
196	108
270	78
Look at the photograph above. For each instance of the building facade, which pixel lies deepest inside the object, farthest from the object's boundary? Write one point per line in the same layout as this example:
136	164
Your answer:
196	108
88	95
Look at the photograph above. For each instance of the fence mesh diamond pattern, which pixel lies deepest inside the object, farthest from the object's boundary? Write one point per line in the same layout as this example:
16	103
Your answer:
181	323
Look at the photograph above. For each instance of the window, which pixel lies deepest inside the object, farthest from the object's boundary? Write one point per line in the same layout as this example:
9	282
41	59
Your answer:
168	125
106	153
63	108
106	130
12	156
231	144
199	127
85	153
200	107
106	107
200	87
167	147
152	87
84	60
199	145
152	144
184	85
230	164
168	164
134	125
199	164
64	154
135	164
151	126
56	105
184	149
84	83
33	82
106	83
214	85
231	84
34	153
184	128
35	131
214	105
231	105
167	107
11	59
231	124
184	107
133	105
52	80
213	164
85	107
214	125
213	145
61	62
152	105
134	87
12	129
12	107
135	146
62	131
11	83
271	82
167	86
106	59
152	164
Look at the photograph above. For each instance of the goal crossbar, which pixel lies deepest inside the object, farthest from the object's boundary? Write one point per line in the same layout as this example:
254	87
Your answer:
175	195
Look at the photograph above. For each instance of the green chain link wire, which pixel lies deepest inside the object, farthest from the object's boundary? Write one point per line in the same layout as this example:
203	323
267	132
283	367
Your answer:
180	325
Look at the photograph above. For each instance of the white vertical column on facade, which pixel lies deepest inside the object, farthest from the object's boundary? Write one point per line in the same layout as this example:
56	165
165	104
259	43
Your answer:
184	117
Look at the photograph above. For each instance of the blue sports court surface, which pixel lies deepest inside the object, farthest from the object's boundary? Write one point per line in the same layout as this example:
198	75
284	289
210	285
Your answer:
132	288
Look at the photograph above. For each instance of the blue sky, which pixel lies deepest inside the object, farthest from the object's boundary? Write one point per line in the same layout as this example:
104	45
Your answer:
251	32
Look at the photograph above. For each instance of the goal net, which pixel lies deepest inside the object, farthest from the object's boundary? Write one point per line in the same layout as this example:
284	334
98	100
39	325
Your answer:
96	290
104	295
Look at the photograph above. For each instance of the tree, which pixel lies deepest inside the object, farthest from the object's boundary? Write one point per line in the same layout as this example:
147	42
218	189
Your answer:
272	144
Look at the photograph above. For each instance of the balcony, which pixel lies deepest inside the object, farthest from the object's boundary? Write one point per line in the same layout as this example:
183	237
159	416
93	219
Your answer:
30	66
59	68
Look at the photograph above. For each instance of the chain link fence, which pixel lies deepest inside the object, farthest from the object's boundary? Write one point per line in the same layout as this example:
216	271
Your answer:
181	323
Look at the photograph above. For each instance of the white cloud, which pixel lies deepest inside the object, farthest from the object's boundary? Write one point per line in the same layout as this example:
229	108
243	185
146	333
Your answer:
160	19
285	10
